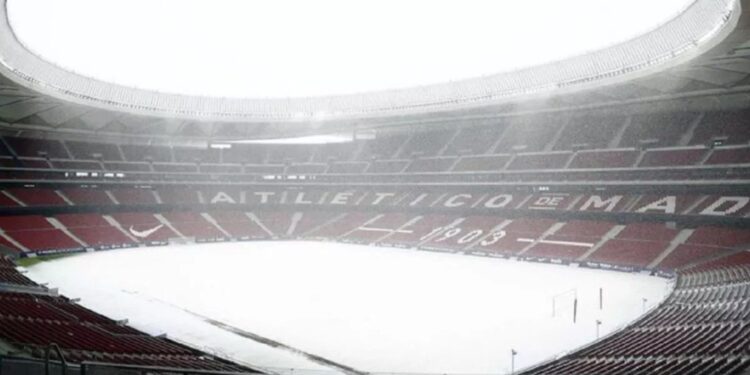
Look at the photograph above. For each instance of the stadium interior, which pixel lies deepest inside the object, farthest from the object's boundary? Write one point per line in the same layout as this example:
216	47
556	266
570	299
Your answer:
648	174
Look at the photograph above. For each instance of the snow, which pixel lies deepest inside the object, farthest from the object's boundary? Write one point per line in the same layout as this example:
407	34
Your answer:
374	309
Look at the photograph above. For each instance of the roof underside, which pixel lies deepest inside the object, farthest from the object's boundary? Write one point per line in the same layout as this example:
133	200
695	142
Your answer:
718	78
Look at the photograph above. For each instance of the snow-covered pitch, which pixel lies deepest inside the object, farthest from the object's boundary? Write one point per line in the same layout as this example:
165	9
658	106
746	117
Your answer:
373	309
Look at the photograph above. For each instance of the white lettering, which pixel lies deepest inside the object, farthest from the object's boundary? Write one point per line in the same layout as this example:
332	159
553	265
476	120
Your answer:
222	197
668	205
498	201
548	201
454	200
264	195
597	202
737	203
341	198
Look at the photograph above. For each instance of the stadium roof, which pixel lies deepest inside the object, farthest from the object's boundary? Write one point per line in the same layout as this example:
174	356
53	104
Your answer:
661	64
302	48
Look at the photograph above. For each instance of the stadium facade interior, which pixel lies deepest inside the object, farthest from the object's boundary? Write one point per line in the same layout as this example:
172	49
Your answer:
634	162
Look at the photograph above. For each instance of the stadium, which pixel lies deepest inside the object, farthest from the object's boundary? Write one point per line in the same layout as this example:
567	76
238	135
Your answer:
588	215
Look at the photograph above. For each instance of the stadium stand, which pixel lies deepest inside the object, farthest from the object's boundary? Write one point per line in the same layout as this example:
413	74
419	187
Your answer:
94	150
37	197
646	175
701	328
95	231
238	225
421	165
90	196
30	322
481	163
644	143
133	196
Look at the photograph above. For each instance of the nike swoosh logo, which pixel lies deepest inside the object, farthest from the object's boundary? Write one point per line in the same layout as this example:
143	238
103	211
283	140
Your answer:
145	233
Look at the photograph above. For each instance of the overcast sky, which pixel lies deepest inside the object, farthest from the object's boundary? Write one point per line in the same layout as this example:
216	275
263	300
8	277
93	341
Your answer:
295	48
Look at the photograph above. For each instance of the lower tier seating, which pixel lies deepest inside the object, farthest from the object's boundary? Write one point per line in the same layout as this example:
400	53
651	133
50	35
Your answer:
31	322
703	328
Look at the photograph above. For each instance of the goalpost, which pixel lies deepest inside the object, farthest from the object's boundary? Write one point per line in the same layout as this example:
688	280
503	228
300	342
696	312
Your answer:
563	301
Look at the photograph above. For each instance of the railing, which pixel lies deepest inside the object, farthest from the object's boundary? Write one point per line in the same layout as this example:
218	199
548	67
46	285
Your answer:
690	175
47	355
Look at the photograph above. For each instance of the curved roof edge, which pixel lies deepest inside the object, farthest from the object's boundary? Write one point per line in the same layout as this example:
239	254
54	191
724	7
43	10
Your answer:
699	27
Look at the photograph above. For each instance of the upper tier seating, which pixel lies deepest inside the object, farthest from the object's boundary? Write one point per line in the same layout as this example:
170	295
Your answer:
441	164
657	129
244	154
290	154
175	167
77	165
729	126
673	157
597	141
426	144
481	163
49	148
387	166
4	151
604	159
384	146
589	132
729	155
140	153
220	168
335	152
309	168
526	135
264	169
127	167
196	155
94	150
556	160
348	167
33	163
474	140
